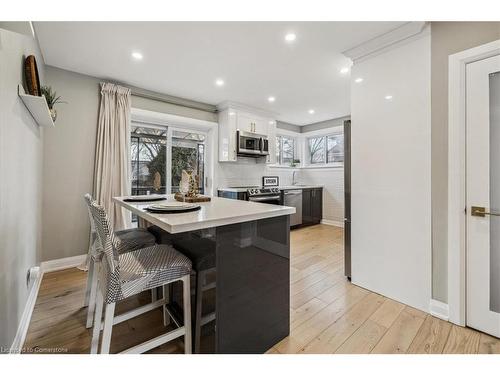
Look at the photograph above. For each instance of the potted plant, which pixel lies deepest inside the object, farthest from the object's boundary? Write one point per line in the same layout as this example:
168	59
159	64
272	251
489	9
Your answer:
52	99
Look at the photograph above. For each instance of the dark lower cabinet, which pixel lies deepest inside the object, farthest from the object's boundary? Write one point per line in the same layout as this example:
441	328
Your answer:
312	206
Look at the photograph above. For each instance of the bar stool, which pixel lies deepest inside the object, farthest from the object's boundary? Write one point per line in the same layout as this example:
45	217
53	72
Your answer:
132	239
201	251
124	274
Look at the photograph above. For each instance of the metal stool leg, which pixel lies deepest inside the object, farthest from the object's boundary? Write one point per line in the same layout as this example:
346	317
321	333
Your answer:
166	297
200	277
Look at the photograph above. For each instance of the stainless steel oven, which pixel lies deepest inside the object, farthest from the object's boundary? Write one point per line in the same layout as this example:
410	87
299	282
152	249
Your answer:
265	195
251	144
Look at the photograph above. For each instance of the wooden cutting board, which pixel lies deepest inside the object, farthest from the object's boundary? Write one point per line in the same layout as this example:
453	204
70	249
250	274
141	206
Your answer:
200	198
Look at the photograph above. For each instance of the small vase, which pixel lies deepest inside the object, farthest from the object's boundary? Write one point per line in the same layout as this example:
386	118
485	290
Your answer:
53	114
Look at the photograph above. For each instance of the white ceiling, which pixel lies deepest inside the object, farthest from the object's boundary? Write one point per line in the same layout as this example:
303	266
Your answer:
185	58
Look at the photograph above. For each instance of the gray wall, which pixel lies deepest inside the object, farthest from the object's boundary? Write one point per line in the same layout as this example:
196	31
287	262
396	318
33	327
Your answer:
446	38
324	124
314	126
21	184
288	126
68	160
68	163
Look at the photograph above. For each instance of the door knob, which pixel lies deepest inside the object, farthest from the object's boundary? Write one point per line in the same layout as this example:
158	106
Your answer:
481	212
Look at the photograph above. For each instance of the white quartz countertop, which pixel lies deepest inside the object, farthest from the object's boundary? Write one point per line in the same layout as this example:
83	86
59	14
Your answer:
217	212
300	186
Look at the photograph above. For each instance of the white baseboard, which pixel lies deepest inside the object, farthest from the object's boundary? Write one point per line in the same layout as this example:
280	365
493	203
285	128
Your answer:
439	309
38	272
333	223
22	329
63	263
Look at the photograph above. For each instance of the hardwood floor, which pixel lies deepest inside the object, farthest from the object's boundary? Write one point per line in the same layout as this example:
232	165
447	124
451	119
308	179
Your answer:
328	314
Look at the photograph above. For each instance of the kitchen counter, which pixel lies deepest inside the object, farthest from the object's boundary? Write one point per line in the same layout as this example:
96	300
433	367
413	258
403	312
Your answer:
286	187
217	212
300	186
251	242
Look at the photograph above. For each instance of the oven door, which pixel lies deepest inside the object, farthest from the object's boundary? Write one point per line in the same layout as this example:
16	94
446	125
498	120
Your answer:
271	199
248	144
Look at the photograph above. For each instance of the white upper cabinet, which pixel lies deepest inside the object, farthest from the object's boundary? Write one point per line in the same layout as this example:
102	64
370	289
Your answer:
234	117
252	124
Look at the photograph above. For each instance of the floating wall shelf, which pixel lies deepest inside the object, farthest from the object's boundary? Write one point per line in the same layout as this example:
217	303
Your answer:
37	106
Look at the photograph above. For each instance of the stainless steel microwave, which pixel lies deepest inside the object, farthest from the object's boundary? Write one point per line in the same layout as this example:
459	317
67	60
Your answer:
251	144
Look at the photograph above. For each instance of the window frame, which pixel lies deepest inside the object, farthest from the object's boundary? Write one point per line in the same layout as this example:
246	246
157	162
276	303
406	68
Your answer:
169	137
325	137
279	151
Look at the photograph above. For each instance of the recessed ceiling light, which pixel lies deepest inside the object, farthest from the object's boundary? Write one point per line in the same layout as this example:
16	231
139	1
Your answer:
344	70
290	37
219	82
358	80
271	99
137	55
311	111
388	97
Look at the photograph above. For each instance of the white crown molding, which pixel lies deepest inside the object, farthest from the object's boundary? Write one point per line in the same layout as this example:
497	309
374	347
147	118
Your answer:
385	41
243	107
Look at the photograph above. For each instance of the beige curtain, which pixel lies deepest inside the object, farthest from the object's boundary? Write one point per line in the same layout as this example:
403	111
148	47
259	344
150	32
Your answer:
112	156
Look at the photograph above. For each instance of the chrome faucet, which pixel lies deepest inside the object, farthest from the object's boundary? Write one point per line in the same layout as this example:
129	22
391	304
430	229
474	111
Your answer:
293	178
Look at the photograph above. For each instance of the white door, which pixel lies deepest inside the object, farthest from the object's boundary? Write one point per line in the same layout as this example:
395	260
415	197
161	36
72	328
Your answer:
483	194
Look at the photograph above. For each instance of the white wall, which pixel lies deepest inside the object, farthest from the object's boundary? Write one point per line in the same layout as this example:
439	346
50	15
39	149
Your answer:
391	173
20	183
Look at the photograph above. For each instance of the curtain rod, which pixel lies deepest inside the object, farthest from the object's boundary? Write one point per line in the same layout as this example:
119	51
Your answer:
142	93
169	99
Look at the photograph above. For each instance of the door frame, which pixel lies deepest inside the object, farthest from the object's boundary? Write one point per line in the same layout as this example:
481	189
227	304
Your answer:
457	229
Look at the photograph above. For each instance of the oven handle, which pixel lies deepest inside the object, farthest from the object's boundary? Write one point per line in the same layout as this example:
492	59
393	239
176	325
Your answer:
266	198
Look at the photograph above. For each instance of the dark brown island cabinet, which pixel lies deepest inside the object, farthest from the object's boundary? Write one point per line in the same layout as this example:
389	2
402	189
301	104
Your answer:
312	206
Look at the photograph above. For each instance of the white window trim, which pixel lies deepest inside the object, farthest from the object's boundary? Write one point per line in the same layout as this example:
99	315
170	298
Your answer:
323	133
301	148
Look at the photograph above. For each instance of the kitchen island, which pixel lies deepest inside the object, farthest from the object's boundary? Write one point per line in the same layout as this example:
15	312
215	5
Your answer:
251	297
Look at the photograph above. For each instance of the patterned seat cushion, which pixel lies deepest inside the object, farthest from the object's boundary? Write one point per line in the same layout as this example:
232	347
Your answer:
132	239
145	269
135	238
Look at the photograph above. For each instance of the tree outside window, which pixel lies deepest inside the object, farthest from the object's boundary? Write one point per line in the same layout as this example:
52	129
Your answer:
328	149
316	150
285	150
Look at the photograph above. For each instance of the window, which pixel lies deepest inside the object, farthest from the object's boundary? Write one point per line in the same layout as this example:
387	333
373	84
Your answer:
316	150
328	149
188	153
335	150
285	150
149	159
